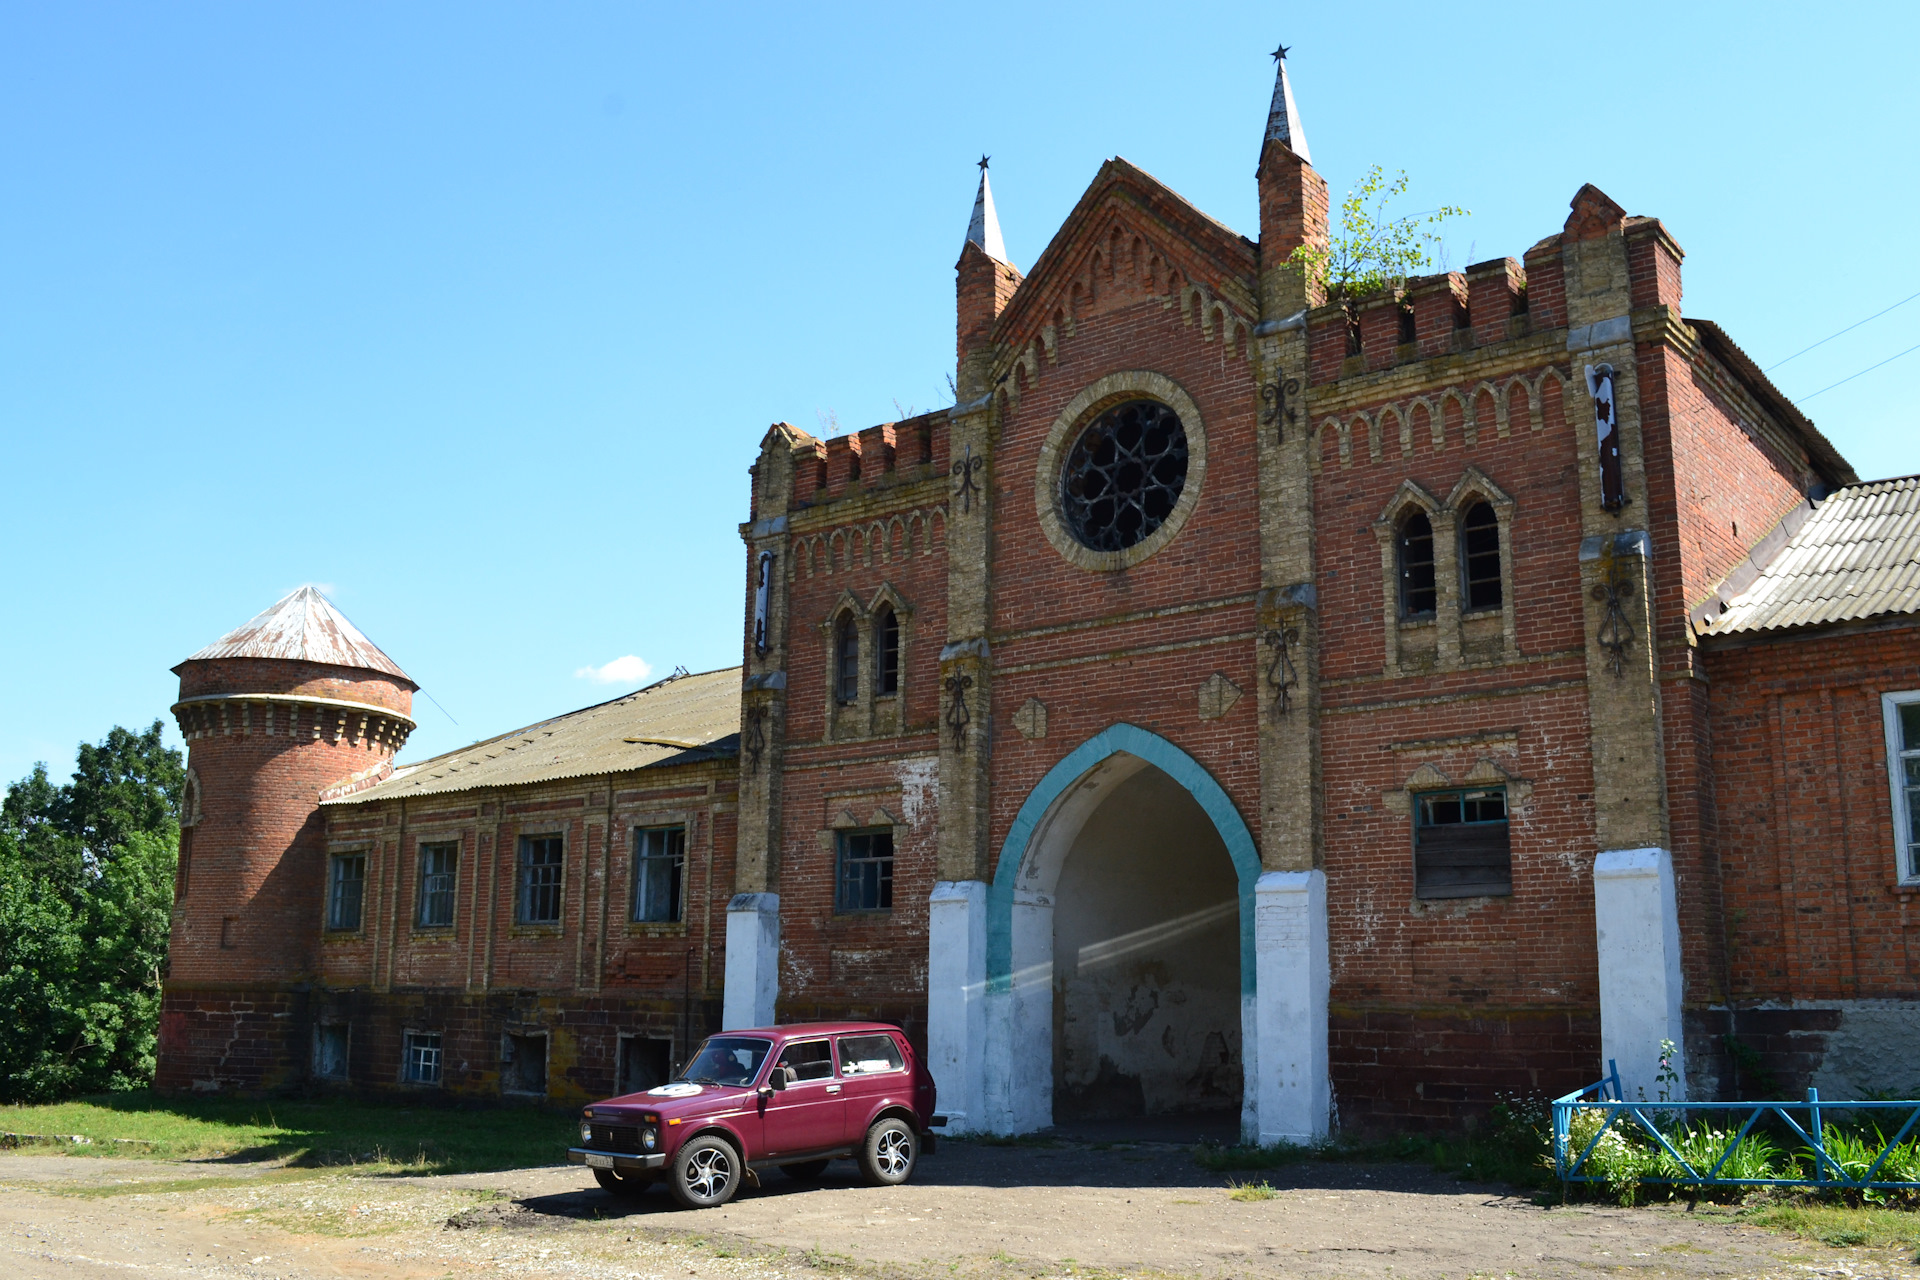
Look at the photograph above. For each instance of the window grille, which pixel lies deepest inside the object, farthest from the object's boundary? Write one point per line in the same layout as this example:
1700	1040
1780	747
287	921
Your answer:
887	668
1903	766
846	659
1480	556
437	867
1417	593
1123	476
1460	844
346	891
659	864
423	1057
866	871
541	859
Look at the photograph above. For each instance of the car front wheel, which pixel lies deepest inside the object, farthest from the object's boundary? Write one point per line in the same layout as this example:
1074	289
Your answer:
706	1173
887	1156
622	1184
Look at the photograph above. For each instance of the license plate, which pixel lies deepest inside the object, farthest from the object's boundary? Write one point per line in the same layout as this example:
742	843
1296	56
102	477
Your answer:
600	1162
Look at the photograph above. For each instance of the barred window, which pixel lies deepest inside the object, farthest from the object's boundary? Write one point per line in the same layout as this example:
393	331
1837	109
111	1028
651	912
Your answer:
1480	556
347	885
438	863
1460	844
866	871
423	1057
1124	475
886	676
659	865
1902	712
541	859
846	659
1415	545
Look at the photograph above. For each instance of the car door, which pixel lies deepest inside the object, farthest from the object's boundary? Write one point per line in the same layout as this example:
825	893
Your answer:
809	1114
874	1073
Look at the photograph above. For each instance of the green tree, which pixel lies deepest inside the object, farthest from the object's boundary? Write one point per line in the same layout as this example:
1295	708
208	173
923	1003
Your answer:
86	893
1372	250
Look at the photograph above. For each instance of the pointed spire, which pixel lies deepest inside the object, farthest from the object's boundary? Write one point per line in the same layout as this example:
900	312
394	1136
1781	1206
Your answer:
984	229
1283	118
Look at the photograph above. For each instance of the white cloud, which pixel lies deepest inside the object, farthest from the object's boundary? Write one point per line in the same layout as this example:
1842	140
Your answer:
627	670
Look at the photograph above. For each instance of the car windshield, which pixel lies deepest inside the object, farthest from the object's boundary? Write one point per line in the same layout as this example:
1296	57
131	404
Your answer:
731	1060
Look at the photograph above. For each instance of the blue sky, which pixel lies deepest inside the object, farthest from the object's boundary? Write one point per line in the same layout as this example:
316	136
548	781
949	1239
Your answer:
473	314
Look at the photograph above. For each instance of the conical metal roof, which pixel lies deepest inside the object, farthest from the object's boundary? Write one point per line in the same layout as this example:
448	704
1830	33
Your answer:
1283	117
983	228
303	627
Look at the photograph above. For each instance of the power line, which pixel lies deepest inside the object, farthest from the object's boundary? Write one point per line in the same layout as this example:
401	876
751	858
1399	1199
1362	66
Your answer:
1869	369
1849	329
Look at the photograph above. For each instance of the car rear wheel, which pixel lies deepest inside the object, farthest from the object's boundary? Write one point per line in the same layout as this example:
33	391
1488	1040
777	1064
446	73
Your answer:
806	1170
706	1173
888	1155
622	1184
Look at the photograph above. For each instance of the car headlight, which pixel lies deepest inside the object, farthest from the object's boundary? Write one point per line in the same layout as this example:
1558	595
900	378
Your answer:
586	1132
649	1137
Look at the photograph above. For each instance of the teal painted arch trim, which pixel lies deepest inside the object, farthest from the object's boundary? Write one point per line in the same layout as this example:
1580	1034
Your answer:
1169	759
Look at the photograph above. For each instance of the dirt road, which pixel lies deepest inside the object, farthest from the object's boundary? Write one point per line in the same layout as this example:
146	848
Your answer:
989	1212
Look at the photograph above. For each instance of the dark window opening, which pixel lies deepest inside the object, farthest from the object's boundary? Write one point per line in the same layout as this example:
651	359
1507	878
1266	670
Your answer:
1124	475
541	859
1353	334
659	867
523	1063
330	1052
865	882
1480	556
1417	594
422	1064
346	891
1406	325
438	863
887	674
1460	845
846	659
645	1063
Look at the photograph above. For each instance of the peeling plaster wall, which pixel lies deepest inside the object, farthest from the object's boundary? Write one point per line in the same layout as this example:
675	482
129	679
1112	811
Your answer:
1146	960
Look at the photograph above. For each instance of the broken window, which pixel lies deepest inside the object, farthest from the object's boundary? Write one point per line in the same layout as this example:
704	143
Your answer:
866	871
1903	766
846	659
1460	844
541	859
330	1051
659	862
1480	557
347	884
422	1065
1415	547
886	678
437	865
523	1063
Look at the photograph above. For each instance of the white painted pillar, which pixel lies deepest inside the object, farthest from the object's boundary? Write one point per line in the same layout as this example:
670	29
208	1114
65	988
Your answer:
753	960
1636	916
957	1001
1292	976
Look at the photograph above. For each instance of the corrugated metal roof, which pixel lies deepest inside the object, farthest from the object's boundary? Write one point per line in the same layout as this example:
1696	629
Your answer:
1856	556
304	626
679	720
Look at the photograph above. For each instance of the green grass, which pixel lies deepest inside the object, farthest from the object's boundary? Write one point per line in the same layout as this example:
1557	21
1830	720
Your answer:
1841	1226
417	1139
1246	1191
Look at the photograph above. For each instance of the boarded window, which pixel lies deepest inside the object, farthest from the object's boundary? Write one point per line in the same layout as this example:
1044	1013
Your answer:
866	871
437	865
346	890
1460	847
540	864
659	861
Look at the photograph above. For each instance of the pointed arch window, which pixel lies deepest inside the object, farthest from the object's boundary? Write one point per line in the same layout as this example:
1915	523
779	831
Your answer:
1480	558
846	659
886	667
1414	545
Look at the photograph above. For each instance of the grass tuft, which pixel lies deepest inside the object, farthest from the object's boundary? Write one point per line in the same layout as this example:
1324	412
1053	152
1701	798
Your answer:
1248	1191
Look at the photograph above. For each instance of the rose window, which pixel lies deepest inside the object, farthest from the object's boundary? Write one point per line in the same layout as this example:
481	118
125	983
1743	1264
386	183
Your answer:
1123	475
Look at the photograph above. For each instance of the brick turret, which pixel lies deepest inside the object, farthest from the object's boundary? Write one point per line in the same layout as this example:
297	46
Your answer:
295	707
1293	200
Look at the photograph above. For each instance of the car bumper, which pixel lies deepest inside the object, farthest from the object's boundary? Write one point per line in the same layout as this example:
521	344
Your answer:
623	1161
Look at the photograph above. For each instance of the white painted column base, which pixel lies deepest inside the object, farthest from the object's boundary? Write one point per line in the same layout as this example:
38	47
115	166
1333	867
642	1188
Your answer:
1292	975
957	1001
753	960
1637	920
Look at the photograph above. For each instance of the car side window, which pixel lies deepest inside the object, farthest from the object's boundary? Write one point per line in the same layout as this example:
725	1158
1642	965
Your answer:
869	1055
807	1060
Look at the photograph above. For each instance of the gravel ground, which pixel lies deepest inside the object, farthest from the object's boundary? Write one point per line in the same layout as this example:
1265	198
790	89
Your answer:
991	1213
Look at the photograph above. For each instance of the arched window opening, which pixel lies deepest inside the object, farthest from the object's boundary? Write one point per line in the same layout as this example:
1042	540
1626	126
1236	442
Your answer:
1480	557
846	659
1416	566
886	676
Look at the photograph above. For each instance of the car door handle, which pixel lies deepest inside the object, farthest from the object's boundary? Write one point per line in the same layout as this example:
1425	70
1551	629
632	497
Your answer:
833	1088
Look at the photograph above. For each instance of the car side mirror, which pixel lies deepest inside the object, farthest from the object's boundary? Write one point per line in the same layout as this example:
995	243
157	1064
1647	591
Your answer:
778	1080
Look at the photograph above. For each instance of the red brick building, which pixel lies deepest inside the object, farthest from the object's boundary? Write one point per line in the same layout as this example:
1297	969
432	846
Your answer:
1340	713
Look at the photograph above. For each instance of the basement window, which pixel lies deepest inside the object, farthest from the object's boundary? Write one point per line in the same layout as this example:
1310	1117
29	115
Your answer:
646	1062
523	1063
1460	845
1902	711
330	1051
422	1065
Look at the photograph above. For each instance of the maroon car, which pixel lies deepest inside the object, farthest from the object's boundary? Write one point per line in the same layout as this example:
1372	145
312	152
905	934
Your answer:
792	1097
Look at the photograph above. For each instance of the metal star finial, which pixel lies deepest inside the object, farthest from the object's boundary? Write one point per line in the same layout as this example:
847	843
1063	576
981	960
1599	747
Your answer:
1280	54
983	162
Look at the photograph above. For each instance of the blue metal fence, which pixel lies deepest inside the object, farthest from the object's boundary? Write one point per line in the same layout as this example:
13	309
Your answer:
1664	1122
